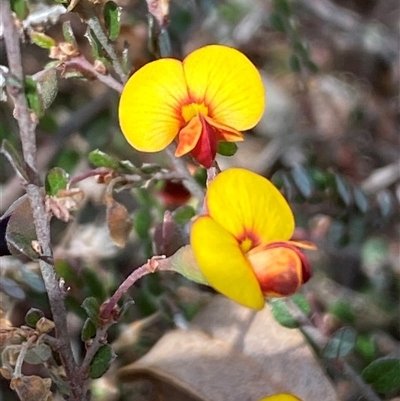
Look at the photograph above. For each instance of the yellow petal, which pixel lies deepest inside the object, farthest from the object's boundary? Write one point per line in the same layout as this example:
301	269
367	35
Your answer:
281	397
150	104
228	83
223	263
249	206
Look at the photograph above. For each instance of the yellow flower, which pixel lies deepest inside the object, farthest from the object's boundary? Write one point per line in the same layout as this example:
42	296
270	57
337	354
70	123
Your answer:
241	245
210	96
281	397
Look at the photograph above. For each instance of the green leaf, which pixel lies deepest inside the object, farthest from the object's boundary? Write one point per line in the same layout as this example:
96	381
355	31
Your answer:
302	303
227	148
277	22
47	85
343	189
383	374
56	179
341	343
14	158
42	40
283	7
142	222
101	361
94	43
35	103
20	229
112	19
302	180
365	346
343	311
282	314
33	279
92	309
38	354
150	168
88	330
360	199
32	316
183	214
294	63
20	7
68	34
101	159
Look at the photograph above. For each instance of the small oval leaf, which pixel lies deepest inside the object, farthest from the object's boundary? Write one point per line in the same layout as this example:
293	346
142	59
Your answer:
282	314
42	40
118	220
32	316
56	179
227	148
88	330
341	343
101	159
92	308
383	374
68	34
112	19
302	180
101	361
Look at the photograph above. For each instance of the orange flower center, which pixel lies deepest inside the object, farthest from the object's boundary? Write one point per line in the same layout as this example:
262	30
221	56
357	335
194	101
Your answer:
192	109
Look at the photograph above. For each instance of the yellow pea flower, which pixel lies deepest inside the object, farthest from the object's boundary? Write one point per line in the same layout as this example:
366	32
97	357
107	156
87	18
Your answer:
210	96
241	243
281	397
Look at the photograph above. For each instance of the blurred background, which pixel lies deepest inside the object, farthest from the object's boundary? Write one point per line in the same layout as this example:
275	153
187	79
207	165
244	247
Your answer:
329	139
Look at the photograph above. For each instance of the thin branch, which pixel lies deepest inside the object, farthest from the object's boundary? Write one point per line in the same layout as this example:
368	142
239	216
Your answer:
96	27
41	219
149	267
80	63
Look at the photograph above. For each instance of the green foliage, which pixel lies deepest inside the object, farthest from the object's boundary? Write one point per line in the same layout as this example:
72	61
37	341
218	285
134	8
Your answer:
112	19
183	214
92	309
101	159
32	316
101	361
14	158
343	311
341	343
88	330
227	148
20	7
42	40
33	98
142	222
282	314
383	374
56	180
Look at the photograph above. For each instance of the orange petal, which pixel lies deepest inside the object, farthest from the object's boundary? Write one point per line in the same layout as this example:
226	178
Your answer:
150	104
228	83
224	132
189	136
279	270
249	206
223	263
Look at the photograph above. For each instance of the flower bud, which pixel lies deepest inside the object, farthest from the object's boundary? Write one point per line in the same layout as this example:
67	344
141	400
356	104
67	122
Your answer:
280	268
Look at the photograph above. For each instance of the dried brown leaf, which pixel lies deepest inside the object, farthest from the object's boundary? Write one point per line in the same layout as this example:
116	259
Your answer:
32	388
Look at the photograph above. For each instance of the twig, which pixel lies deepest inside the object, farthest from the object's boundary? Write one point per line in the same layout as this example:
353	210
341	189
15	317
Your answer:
188	180
80	63
88	174
21	356
41	218
149	267
95	26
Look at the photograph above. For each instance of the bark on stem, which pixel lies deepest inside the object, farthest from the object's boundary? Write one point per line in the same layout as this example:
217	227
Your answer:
41	219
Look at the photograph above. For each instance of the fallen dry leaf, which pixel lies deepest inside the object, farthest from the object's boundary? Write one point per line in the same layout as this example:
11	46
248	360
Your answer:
232	353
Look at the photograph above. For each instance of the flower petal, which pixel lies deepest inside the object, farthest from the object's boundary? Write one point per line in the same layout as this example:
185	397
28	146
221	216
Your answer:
249	206
281	397
150	104
228	83
223	263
